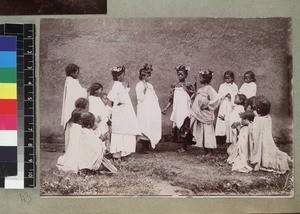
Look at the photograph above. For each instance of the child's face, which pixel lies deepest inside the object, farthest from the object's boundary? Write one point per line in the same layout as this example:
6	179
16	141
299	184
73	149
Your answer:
75	75
201	79
98	92
181	76
146	77
121	78
228	78
105	99
247	78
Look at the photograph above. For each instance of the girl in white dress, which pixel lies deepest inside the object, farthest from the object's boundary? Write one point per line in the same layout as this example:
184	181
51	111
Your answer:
265	154
249	86
125	126
91	149
69	161
148	110
227	92
72	91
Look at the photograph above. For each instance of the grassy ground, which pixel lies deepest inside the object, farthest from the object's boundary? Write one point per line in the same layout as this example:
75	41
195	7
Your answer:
164	172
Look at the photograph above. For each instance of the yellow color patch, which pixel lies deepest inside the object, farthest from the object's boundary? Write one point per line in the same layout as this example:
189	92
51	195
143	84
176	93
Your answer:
8	91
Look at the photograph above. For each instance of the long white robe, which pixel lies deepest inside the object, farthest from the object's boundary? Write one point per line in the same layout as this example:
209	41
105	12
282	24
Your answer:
72	91
125	126
91	150
265	153
148	113
248	89
234	116
226	105
181	107
98	109
69	161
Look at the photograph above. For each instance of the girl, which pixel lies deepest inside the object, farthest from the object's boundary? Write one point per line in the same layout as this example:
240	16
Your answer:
69	161
72	91
265	154
202	113
80	104
249	86
107	118
180	97
233	119
97	107
148	110
125	126
240	155
227	92
90	146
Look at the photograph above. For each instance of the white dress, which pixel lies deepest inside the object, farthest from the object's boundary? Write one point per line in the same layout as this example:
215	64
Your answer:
148	113
248	89
125	126
72	91
69	161
234	116
91	150
226	106
265	153
98	109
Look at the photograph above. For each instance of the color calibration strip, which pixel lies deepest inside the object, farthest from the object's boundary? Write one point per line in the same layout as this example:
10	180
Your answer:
25	34
8	107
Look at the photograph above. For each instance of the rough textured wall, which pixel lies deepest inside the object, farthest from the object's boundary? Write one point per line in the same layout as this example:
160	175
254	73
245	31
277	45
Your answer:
262	45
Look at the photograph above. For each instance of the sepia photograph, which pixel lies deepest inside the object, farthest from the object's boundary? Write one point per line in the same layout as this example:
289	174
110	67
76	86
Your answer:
166	107
53	7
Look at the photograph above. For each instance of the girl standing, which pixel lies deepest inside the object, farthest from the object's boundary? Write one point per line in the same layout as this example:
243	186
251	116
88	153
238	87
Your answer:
227	92
72	91
249	86
202	113
148	110
125	126
180	98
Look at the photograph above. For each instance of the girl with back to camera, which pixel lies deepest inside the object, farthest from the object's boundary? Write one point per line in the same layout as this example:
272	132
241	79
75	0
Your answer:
72	91
227	92
249	87
148	110
180	98
202	113
125	126
265	154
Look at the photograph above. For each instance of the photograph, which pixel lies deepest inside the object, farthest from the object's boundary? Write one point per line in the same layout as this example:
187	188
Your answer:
53	7
195	107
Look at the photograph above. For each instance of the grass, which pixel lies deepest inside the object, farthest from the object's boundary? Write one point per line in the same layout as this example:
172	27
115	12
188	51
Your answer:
164	172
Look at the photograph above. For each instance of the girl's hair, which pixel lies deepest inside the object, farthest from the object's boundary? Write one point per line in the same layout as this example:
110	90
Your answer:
71	69
251	74
76	115
147	69
87	120
263	105
183	68
242	98
206	75
117	71
94	87
247	115
250	102
81	103
229	73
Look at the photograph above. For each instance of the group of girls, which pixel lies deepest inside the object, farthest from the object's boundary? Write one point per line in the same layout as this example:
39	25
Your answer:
243	120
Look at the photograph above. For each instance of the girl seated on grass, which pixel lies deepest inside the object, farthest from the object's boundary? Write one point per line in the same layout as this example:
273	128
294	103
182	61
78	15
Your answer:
265	154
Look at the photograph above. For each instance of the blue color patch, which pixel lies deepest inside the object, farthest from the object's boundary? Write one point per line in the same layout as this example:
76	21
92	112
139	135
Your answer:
8	59
8	43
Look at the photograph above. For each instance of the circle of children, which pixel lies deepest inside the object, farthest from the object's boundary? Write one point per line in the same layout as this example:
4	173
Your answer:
97	123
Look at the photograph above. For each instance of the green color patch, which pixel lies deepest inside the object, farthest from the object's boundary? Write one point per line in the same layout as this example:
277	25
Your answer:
8	75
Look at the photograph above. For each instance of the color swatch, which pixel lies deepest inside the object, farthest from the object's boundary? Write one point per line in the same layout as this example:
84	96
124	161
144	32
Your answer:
8	106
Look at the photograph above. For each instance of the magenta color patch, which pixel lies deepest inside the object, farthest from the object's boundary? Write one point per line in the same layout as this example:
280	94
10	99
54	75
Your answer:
8	122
